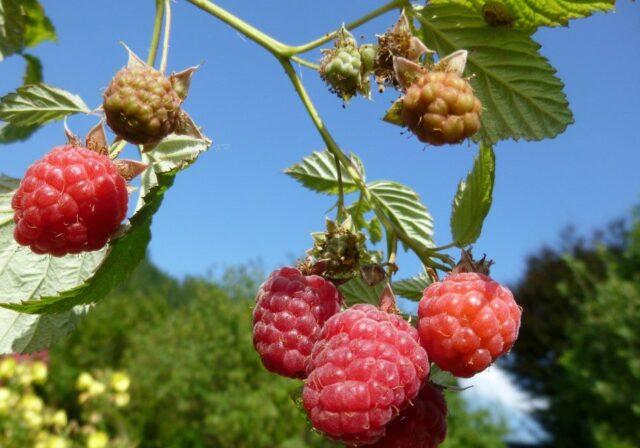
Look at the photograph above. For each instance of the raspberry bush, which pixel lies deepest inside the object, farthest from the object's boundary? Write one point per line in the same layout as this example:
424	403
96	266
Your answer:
459	68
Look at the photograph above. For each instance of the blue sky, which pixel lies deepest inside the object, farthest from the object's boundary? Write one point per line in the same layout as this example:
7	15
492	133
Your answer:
235	204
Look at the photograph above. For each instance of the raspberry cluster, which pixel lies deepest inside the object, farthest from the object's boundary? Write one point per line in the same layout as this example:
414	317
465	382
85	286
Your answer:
365	368
440	108
72	200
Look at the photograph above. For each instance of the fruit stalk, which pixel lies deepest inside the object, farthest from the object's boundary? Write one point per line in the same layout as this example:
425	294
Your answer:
155	39
167	36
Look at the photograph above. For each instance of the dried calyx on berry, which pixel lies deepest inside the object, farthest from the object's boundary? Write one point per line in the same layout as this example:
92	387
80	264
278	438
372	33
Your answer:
398	41
439	105
340	250
74	198
346	68
142	104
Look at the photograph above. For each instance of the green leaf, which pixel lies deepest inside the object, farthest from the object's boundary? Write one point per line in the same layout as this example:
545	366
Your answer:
412	288
520	94
473	199
357	210
10	133
12	28
38	104
27	275
356	291
33	70
403	207
445	379
38	27
176	152
7	186
318	172
32	74
530	14
22	24
375	230
122	257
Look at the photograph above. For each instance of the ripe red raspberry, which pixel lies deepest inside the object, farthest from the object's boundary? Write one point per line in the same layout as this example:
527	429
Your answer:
141	105
440	108
422	425
466	322
363	370
70	201
290	311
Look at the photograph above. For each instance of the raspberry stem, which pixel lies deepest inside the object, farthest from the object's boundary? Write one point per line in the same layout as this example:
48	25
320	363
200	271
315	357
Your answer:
155	36
395	4
167	35
340	213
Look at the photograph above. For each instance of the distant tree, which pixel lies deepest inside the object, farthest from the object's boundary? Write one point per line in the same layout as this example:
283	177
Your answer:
579	341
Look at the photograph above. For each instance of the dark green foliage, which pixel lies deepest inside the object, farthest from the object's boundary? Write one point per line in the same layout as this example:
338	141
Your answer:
579	342
471	429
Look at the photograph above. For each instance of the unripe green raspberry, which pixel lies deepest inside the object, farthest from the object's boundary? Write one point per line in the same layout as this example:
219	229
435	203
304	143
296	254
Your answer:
368	54
340	69
141	105
440	108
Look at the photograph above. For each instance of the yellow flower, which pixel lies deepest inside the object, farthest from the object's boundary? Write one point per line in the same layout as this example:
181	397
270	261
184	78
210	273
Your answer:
57	442
7	400
7	368
120	382
97	388
98	439
122	399
30	402
84	381
39	372
32	419
23	372
59	419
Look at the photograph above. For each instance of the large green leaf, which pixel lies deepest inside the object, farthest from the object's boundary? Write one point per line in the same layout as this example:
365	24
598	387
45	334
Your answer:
122	257
403	207
38	27
412	288
22	24
33	70
10	133
11	28
318	173
36	104
24	274
520	94
176	152
530	14
473	199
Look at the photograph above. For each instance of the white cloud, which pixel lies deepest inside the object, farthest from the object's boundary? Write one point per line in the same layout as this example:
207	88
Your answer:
495	391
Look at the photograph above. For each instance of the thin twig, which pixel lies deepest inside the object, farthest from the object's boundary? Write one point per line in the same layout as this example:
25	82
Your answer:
155	36
341	212
304	62
355	24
